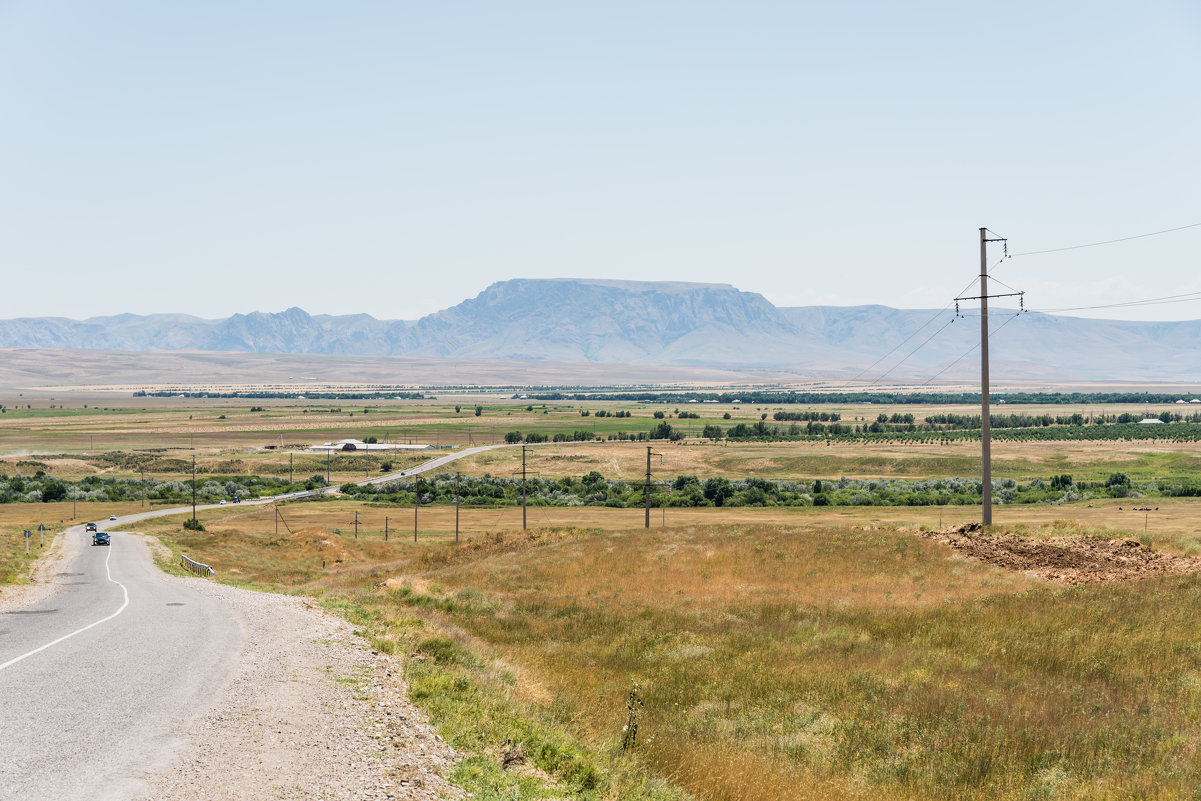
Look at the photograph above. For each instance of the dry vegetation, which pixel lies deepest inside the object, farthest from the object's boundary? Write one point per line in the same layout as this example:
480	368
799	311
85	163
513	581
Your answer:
784	653
810	656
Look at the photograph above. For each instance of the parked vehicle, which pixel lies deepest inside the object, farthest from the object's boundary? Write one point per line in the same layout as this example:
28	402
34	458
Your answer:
100	538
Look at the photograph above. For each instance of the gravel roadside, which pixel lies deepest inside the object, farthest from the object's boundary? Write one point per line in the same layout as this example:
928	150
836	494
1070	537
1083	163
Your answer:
310	713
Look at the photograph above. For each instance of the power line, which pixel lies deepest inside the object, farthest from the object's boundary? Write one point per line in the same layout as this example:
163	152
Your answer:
1183	298
973	348
916	331
1108	241
915	350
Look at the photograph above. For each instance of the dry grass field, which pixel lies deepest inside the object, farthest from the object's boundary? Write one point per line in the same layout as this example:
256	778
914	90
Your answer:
785	654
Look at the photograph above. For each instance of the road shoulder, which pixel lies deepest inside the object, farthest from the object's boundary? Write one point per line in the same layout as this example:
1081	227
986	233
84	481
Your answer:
46	575
310	712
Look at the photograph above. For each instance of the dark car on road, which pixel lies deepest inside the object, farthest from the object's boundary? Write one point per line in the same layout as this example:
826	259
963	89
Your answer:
100	538
90	527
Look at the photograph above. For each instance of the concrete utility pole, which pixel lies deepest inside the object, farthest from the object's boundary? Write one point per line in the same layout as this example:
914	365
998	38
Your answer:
985	422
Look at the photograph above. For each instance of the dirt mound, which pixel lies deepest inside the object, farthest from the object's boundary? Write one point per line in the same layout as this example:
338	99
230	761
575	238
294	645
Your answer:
321	541
1066	560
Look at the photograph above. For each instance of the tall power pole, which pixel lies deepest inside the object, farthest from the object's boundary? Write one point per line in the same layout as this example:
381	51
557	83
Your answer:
523	488
458	497
985	423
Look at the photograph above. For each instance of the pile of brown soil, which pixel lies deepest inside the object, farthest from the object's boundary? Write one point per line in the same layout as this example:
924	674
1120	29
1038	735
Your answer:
1066	560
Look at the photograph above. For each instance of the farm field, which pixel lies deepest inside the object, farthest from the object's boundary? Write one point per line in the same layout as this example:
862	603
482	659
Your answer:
792	654
789	652
160	436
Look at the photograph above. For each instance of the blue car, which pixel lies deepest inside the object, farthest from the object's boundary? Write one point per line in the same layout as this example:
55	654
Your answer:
100	538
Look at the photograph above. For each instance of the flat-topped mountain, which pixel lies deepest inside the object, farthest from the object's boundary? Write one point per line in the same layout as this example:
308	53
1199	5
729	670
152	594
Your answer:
643	322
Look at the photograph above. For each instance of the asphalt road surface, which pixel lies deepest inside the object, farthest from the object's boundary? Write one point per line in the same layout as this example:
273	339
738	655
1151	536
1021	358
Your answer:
99	680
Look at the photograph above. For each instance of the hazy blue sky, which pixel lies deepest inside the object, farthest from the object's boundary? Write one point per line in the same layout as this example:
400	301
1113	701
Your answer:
395	158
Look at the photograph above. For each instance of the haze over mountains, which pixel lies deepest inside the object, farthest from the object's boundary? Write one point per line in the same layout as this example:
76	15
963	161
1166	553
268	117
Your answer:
664	323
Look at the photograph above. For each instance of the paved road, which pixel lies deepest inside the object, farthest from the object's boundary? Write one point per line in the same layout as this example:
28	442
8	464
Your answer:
98	680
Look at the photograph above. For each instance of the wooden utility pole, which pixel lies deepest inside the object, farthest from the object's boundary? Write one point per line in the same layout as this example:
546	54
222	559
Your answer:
416	503
193	488
647	491
290	479
356	525
385	529
457	497
985	422
523	488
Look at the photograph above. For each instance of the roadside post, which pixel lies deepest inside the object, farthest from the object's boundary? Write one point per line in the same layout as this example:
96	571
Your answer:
41	535
28	534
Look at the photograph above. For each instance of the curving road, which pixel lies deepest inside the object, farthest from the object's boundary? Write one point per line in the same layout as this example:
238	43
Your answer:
99	680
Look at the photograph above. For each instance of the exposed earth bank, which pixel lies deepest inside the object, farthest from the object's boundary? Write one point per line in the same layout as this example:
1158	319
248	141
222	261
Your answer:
1065	560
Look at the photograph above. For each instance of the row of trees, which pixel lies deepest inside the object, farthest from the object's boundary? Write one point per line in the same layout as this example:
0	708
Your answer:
593	489
42	488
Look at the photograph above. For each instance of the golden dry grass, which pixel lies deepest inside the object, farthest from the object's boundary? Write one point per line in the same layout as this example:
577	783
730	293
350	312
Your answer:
785	654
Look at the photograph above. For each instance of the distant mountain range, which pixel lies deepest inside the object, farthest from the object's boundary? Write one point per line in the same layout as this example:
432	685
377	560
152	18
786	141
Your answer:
666	323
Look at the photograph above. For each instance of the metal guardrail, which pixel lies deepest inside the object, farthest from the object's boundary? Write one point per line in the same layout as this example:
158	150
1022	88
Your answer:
196	567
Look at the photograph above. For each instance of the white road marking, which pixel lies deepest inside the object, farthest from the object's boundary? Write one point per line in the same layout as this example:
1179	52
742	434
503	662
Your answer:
124	604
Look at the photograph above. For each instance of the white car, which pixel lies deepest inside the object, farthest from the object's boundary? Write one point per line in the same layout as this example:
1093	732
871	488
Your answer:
221	503
112	517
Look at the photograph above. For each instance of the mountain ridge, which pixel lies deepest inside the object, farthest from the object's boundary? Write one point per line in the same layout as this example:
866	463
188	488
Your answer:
643	322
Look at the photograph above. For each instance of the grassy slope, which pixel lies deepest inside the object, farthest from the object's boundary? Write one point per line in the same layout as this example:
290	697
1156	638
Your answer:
811	660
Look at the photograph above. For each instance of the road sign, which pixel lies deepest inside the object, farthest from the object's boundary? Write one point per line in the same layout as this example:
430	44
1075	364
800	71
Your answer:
41	526
28	533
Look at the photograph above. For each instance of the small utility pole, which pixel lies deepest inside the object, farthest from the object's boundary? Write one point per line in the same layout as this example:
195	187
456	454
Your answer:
523	526
385	529
416	504
289	467
142	471
356	525
457	497
367	466
327	465
647	491
193	488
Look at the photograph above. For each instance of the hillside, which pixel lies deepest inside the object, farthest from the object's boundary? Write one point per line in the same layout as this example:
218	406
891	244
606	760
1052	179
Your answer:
634	322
